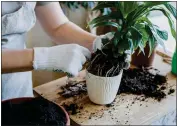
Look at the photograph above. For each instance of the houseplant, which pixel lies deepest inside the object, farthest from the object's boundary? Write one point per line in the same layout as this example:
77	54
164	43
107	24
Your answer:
133	29
139	59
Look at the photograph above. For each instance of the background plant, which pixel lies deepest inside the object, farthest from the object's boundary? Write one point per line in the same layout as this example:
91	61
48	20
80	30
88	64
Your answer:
133	27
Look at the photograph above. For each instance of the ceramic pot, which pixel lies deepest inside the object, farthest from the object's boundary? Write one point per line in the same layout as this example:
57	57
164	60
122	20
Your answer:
102	90
23	99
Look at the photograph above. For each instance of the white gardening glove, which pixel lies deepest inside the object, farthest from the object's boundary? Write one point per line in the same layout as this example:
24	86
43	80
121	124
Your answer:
67	58
97	44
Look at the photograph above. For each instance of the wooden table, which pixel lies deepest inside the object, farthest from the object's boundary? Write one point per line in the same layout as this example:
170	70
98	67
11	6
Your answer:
124	112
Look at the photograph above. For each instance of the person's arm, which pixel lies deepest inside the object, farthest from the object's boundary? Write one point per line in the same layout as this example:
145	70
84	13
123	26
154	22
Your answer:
17	60
56	24
67	58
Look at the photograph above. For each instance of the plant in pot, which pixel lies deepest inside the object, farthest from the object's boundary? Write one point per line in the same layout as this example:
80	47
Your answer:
104	70
140	59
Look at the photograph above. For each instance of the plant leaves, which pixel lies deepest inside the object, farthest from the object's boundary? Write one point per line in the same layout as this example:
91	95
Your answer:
136	36
143	31
162	33
141	46
171	9
106	24
170	21
131	45
152	44
153	30
112	15
127	7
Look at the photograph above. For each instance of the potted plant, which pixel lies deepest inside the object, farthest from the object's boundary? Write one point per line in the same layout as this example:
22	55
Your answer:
133	29
139	59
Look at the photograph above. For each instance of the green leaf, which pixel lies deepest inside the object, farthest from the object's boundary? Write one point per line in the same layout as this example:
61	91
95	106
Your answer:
127	7
143	31
131	45
171	9
123	46
170	21
152	44
162	33
102	5
136	36
113	15
106	24
116	38
141	46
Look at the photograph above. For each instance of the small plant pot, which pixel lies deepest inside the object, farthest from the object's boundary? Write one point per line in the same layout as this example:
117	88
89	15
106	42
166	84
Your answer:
102	90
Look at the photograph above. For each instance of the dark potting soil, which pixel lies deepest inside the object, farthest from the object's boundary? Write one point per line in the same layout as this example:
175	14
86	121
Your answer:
73	89
171	91
106	65
35	112
141	81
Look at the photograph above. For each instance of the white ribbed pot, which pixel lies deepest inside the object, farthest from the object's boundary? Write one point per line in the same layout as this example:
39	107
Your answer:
102	90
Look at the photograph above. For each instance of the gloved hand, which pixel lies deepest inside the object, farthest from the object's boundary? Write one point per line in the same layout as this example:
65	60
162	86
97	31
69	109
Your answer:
97	44
67	58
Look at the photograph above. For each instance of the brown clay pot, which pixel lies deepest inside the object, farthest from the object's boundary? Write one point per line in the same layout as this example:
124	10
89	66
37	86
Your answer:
141	59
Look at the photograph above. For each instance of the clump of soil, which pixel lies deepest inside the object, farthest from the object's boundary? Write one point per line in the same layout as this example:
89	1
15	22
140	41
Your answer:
36	112
73	88
103	63
141	81
171	91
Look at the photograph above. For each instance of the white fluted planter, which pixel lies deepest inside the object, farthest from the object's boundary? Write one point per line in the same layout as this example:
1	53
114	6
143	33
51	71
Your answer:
102	90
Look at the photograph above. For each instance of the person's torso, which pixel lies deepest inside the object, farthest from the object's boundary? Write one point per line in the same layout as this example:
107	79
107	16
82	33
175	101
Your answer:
17	18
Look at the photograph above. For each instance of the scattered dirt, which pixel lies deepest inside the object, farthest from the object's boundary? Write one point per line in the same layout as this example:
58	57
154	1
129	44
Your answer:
38	112
73	88
140	81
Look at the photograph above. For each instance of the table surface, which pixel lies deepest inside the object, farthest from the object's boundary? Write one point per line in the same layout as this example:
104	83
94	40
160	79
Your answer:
123	111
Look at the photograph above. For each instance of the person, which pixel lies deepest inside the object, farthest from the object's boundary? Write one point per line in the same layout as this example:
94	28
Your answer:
18	61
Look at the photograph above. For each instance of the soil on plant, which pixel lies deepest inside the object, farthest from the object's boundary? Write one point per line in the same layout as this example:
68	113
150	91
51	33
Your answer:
102	63
141	81
35	112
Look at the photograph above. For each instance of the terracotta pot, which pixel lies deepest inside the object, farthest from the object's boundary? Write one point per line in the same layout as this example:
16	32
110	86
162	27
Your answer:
102	90
23	99
143	60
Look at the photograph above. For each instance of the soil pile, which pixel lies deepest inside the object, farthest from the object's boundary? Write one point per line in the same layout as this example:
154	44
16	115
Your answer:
141	81
36	112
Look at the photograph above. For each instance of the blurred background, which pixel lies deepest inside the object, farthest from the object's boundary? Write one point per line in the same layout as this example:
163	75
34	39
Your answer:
80	13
